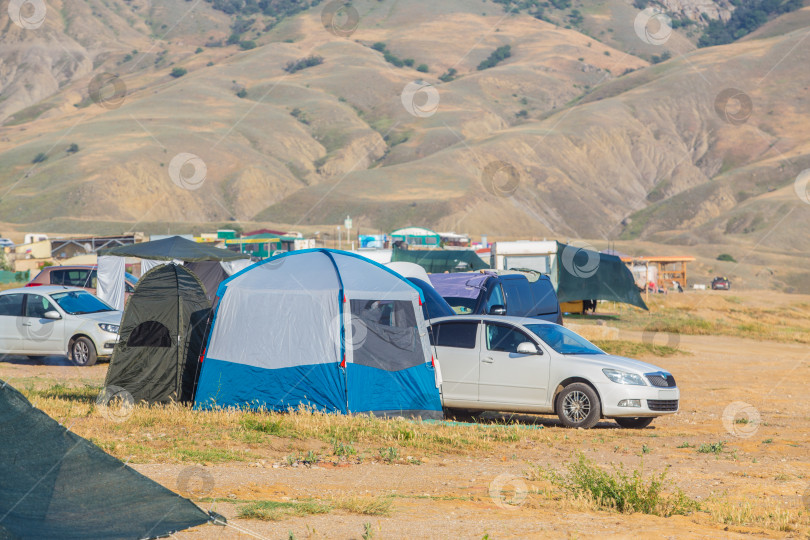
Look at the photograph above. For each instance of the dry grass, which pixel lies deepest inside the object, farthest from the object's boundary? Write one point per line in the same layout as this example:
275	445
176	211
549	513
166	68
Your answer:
279	510
177	434
766	514
742	315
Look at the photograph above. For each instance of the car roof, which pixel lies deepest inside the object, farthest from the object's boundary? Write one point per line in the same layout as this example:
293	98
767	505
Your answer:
490	318
44	289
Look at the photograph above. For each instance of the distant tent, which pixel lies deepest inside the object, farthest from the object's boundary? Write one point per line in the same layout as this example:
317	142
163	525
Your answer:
161	337
584	274
55	484
438	261
321	328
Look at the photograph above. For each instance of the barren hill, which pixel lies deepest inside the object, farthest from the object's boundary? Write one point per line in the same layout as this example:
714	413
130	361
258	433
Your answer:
575	133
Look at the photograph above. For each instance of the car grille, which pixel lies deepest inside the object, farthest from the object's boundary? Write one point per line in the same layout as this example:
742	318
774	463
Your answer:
662	404
661	379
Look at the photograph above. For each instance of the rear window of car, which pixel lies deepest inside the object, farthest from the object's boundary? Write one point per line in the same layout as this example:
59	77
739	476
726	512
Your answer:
11	305
461	335
545	299
71	278
518	295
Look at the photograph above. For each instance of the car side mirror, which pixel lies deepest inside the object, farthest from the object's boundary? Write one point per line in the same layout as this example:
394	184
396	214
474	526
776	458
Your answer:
528	348
53	315
497	310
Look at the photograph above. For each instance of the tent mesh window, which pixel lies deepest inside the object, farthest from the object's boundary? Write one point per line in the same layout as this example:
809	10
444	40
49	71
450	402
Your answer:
150	334
384	334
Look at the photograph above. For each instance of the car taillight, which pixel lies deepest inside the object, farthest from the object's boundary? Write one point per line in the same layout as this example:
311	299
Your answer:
33	284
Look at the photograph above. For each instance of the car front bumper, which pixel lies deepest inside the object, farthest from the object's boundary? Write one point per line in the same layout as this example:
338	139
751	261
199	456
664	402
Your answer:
652	400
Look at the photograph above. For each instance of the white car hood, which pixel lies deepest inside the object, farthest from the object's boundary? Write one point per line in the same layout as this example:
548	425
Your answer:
614	362
109	317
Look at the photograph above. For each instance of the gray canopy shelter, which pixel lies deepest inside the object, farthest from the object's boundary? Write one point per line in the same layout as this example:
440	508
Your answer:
162	336
55	484
175	248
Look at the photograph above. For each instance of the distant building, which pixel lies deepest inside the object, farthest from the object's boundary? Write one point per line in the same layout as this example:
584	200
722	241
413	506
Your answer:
416	236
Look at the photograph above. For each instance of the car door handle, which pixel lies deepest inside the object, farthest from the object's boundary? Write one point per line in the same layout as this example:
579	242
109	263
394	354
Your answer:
488	360
26	324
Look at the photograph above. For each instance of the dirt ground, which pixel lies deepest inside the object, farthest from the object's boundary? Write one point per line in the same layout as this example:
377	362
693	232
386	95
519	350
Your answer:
763	466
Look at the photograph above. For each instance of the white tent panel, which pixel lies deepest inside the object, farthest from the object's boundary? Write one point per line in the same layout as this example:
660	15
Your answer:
269	328
111	286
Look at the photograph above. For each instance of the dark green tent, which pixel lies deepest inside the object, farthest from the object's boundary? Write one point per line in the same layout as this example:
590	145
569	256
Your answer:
55	484
438	261
174	247
584	274
161	337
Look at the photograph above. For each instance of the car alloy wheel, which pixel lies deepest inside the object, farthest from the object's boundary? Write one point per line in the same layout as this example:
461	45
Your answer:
82	352
576	406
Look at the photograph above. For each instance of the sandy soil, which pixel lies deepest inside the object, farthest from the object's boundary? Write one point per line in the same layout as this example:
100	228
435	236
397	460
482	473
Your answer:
764	464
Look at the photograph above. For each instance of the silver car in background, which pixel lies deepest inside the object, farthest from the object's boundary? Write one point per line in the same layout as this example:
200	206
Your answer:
57	320
515	364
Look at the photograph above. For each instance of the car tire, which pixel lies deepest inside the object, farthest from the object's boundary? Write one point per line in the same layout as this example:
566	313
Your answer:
578	406
634	423
83	352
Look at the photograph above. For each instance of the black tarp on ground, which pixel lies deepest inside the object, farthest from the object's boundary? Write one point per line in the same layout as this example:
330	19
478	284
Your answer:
161	337
210	273
438	261
55	484
175	247
583	274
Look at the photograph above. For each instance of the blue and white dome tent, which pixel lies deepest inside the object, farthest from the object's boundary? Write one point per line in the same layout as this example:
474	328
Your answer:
321	328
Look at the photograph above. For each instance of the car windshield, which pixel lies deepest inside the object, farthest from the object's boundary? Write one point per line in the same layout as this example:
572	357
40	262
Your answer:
563	340
79	302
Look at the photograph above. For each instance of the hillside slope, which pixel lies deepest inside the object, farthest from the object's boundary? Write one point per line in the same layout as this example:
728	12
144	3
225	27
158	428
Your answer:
569	136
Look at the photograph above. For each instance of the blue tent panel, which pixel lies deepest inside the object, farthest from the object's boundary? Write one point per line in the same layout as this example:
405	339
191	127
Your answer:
408	392
228	384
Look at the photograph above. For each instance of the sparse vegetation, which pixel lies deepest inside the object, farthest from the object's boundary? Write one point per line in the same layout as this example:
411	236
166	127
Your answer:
294	66
72	148
712	448
39	158
620	491
726	257
498	55
178	72
747	17
448	75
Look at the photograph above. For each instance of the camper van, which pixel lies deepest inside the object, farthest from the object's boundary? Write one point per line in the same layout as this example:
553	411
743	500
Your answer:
524	255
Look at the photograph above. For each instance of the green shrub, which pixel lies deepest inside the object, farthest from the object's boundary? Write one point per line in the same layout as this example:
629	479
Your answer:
621	491
303	63
498	55
726	257
178	72
422	68
39	158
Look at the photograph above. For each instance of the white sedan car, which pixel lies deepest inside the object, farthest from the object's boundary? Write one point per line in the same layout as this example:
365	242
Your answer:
526	365
57	320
